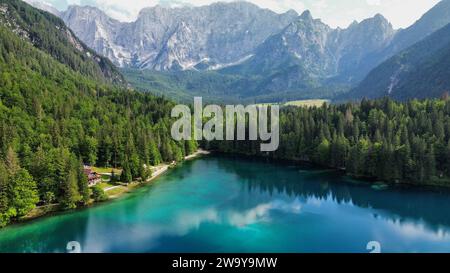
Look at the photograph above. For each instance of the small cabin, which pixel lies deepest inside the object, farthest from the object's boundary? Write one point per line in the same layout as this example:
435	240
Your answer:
93	177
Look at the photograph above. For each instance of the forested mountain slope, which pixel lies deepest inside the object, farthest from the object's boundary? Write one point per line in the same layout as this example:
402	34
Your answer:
54	118
49	33
421	71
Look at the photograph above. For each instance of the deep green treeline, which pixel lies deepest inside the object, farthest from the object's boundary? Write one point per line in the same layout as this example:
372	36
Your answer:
381	139
53	120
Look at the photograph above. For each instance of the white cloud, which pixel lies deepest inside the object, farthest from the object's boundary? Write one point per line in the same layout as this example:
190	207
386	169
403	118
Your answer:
334	12
374	2
404	13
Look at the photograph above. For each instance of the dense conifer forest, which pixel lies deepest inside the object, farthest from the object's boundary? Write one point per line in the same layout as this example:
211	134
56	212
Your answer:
57	115
376	139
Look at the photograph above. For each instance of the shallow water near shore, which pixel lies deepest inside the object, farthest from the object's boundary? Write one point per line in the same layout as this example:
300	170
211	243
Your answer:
222	204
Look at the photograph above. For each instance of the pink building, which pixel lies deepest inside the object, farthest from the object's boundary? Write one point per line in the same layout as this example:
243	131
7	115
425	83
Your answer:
93	177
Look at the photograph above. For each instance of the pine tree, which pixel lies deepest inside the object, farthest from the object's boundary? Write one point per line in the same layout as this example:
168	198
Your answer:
430	163
88	150
126	176
144	172
154	154
323	152
4	206
134	164
113	178
12	162
40	171
83	185
105	151
177	153
22	193
70	195
167	152
352	165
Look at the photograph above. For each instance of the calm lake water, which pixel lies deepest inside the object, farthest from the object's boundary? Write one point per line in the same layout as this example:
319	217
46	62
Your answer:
218	204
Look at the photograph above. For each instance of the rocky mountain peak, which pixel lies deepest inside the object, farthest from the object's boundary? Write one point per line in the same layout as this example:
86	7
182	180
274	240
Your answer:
433	20
291	13
306	15
161	37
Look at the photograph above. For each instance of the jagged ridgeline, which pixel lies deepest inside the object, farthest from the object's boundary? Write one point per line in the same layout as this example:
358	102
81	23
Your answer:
237	51
49	33
59	110
418	63
420	71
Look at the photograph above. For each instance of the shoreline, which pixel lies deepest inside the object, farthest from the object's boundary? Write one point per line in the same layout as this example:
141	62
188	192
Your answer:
53	209
163	168
432	185
157	171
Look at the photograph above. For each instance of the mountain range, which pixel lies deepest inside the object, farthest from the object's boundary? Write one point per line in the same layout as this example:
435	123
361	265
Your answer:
255	53
223	35
309	54
184	38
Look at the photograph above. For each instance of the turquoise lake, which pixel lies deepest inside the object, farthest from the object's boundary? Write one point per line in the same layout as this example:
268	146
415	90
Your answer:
223	204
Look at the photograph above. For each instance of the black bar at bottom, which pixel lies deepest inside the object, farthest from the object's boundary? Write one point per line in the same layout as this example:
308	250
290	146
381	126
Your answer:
221	262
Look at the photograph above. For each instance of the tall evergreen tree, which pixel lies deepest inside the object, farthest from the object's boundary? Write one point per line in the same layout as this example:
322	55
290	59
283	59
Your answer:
69	191
126	176
4	206
83	186
12	162
22	193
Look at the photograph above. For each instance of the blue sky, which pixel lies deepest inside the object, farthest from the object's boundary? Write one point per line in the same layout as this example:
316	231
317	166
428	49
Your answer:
401	13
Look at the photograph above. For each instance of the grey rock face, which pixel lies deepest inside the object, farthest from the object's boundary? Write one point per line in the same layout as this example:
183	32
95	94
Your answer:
178	38
308	53
224	35
356	46
287	51
98	31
